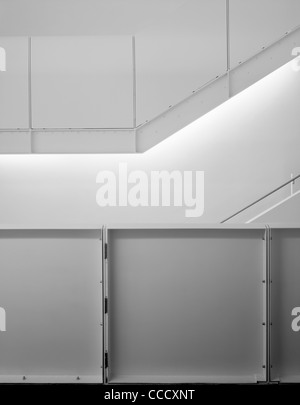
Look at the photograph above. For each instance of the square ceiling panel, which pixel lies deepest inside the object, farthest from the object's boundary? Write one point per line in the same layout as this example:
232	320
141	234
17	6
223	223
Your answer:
81	82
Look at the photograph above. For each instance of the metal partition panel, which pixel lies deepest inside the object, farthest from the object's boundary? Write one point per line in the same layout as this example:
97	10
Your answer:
50	289
285	305
186	305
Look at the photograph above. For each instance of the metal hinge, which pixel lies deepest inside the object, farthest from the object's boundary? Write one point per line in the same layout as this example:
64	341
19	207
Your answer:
105	305
105	251
106	359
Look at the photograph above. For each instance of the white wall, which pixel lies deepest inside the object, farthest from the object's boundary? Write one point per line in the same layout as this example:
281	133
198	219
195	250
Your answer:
287	213
246	147
81	17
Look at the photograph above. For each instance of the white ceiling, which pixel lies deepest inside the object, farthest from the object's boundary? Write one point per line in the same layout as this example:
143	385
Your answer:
81	17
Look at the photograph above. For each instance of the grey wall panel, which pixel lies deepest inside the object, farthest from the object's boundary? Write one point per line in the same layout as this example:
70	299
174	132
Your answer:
15	142
257	23
185	305
51	292
82	82
14	83
104	141
285	346
177	55
265	63
80	17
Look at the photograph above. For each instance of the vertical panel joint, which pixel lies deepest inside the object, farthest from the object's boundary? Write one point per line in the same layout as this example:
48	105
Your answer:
105	305
106	359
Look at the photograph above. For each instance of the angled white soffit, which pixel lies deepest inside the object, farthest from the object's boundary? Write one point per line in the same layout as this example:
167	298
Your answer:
168	74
